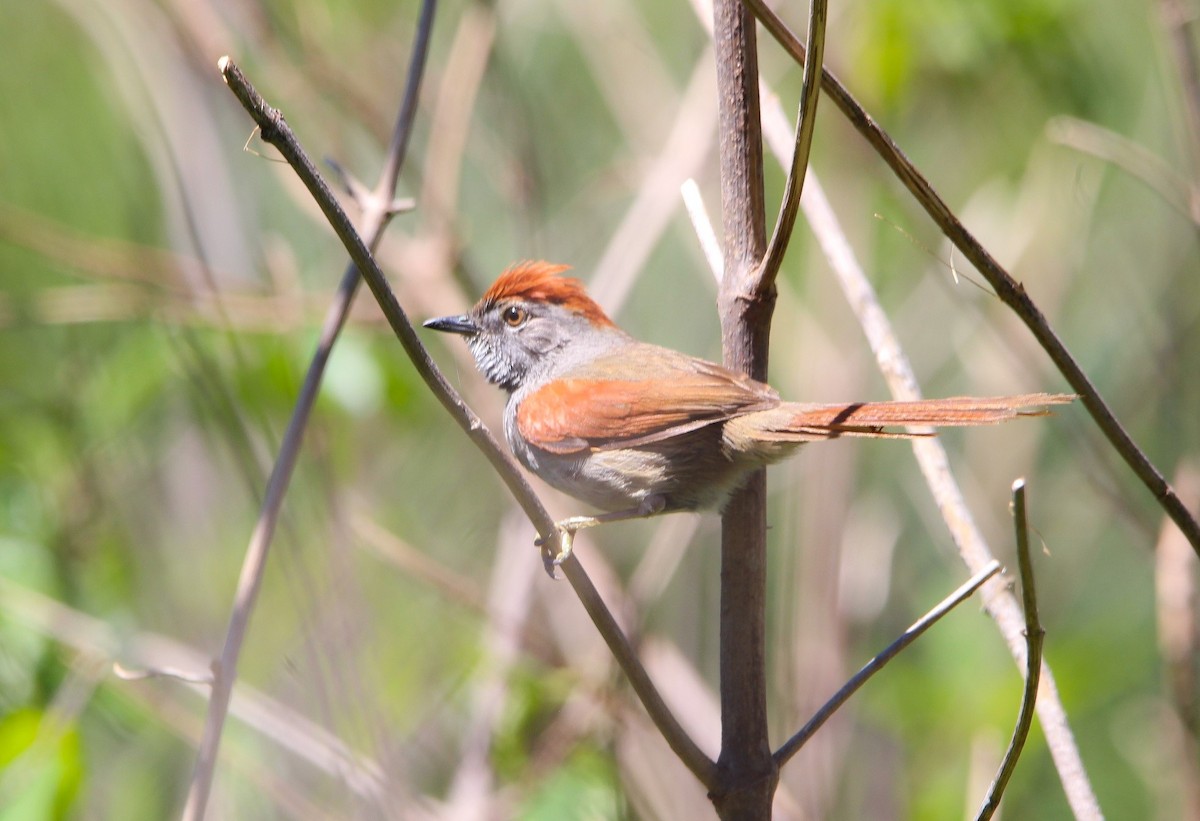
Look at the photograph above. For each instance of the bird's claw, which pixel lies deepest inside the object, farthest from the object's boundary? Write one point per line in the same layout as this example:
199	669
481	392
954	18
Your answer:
565	530
566	543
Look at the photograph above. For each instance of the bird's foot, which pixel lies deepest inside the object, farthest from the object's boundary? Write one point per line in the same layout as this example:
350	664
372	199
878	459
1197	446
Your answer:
565	531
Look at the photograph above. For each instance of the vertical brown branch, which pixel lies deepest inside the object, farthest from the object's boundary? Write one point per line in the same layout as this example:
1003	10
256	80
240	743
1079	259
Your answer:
747	774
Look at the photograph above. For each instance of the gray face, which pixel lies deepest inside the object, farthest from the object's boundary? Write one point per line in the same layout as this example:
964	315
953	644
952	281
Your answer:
511	338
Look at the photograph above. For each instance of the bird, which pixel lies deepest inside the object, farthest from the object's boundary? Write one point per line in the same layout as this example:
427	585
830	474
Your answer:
636	429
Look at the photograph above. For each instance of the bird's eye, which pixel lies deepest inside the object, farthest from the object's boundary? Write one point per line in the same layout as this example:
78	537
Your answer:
514	315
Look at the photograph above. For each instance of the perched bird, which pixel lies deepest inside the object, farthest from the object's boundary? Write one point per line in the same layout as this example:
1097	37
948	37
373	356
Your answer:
637	429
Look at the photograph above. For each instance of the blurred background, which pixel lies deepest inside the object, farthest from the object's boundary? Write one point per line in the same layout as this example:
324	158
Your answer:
161	288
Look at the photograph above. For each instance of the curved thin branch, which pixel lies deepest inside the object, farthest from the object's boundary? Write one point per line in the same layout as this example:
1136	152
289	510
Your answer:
274	129
1034	635
1010	292
793	744
806	120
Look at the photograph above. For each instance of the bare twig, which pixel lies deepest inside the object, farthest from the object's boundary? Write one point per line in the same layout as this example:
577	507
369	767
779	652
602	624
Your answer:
1034	635
806	120
379	210
793	744
1010	292
276	131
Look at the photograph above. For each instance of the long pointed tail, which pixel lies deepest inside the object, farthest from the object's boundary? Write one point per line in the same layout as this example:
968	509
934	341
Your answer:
875	418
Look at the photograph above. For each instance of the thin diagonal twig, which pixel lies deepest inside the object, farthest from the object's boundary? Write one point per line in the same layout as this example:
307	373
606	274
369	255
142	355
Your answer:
806	120
276	131
1009	291
793	744
1034	635
379	210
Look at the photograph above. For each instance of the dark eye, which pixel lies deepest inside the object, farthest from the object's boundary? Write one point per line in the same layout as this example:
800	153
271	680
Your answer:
514	315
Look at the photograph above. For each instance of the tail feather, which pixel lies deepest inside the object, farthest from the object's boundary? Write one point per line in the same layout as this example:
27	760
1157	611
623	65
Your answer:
874	418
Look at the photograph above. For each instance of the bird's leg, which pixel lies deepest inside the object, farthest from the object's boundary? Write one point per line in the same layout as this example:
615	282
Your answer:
649	506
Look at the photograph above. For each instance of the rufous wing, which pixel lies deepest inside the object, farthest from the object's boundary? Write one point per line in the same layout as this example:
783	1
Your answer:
572	415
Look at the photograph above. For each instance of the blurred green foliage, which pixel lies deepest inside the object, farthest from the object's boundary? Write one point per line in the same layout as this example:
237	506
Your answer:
161	291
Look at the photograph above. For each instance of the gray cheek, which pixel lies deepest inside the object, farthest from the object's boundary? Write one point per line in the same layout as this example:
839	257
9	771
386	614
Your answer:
541	336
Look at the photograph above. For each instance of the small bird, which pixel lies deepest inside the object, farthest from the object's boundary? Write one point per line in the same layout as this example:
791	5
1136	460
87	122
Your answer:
637	429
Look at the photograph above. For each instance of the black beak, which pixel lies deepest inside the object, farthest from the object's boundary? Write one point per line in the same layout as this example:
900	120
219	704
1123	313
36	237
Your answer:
454	324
